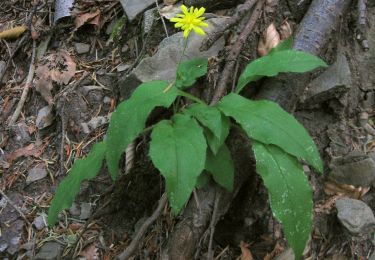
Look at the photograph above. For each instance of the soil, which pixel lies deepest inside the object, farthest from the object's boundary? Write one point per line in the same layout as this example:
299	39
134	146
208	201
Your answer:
120	208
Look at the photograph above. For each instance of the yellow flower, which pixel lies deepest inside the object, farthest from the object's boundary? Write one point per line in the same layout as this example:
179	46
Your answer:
190	20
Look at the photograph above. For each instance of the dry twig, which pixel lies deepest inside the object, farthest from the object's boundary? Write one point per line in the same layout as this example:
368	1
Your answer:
129	251
15	207
234	53
27	87
240	12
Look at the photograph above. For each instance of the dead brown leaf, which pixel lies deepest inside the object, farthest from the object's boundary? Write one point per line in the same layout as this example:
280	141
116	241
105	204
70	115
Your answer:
56	67
90	252
333	188
269	40
245	252
13	33
30	150
285	30
90	18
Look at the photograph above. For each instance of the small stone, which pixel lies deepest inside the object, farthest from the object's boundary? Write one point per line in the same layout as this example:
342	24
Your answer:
94	123
35	174
45	117
286	255
332	83
40	222
86	210
149	19
359	172
74	209
81	48
133	8
107	100
355	216
49	251
122	67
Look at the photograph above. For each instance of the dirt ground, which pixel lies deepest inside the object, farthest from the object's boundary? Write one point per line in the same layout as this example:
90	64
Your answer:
65	114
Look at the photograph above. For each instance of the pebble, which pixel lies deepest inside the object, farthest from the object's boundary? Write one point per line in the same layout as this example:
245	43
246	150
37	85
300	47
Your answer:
81	48
49	251
86	210
35	174
355	216
45	117
40	222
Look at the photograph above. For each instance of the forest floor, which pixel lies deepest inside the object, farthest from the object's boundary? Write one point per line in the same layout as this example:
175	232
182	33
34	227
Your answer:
74	71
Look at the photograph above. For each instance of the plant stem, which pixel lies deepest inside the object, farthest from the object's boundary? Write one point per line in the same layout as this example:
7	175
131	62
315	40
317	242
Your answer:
190	96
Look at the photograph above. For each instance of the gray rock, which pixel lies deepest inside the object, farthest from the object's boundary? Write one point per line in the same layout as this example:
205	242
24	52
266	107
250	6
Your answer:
149	20
286	255
45	117
86	210
122	67
162	66
20	133
353	169
40	222
372	257
81	48
35	174
94	123
133	8
333	83
49	251
74	209
355	216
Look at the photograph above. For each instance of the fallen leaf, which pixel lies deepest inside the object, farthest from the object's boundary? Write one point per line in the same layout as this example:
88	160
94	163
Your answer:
269	40
285	30
30	150
170	11
90	252
90	18
245	252
56	67
13	33
333	188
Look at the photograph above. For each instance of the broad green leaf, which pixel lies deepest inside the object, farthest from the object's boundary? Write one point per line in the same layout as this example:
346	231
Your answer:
213	142
208	116
82	169
130	117
286	44
202	180
178	150
189	71
289	193
267	122
277	62
221	167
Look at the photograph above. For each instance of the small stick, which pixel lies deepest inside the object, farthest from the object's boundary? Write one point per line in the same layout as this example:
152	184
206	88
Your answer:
129	157
26	89
234	53
210	254
162	18
240	12
15	207
129	251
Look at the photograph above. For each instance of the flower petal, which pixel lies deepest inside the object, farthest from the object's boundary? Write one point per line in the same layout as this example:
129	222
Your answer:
184	9
200	11
198	30
203	24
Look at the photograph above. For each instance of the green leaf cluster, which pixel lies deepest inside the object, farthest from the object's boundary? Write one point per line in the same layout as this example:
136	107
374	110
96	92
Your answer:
189	148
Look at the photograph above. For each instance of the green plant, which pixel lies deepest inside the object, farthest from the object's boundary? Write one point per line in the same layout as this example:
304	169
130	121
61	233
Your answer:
191	143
